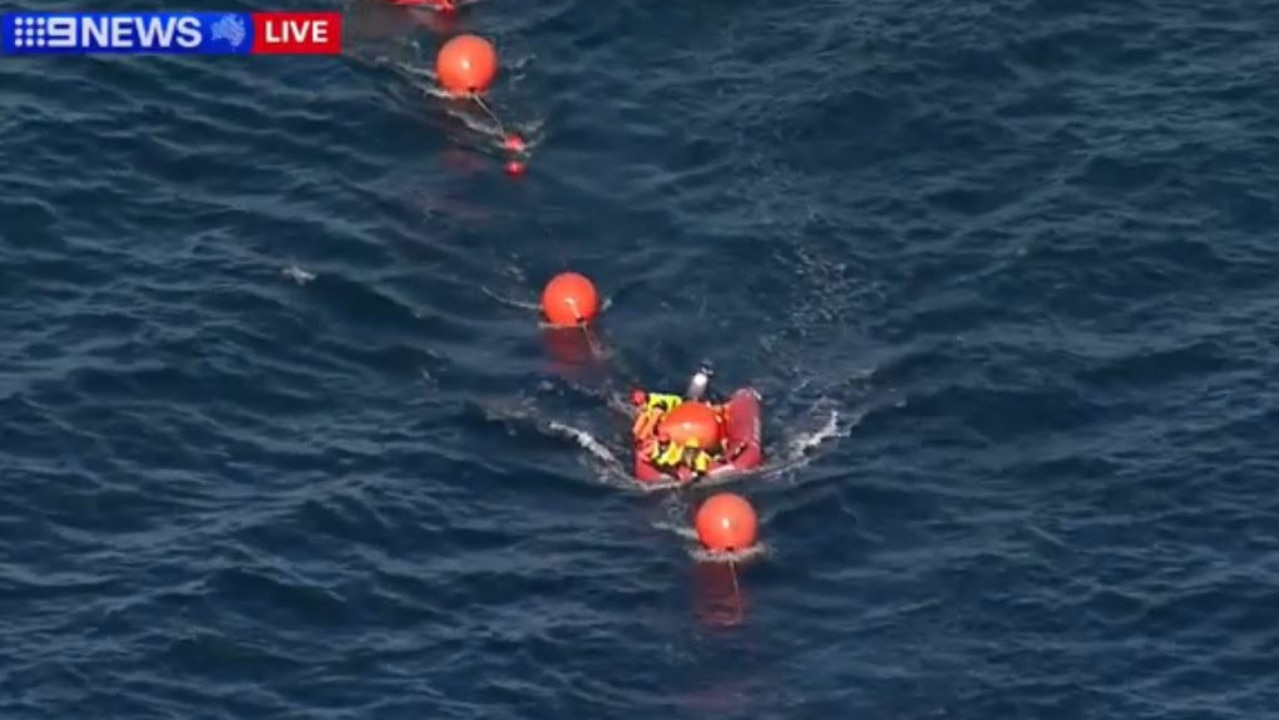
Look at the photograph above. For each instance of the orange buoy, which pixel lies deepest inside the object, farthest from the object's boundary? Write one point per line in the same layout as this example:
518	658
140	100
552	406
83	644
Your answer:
466	64
726	522
569	299
692	423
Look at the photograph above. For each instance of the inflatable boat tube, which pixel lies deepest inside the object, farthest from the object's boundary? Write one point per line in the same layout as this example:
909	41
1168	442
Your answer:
742	443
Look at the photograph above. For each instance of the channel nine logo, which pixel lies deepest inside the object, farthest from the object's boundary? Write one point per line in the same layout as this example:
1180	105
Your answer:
262	33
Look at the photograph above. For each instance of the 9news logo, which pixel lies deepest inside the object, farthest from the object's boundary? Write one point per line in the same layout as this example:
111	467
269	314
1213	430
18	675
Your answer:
104	32
202	33
30	32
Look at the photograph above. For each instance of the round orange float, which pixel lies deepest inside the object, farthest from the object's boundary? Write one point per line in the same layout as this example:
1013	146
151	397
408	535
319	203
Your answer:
692	424
466	64
726	523
569	299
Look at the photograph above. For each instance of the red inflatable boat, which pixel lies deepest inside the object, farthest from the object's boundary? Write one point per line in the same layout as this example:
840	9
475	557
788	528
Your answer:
742	443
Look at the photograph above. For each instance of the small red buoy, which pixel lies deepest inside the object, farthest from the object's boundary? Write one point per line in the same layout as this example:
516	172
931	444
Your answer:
514	167
513	143
569	299
466	64
726	523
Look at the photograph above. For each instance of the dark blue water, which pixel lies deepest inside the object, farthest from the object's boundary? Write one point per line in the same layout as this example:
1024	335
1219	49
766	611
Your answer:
276	443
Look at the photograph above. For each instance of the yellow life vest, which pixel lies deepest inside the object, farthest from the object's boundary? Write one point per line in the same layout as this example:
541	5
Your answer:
666	403
656	405
671	455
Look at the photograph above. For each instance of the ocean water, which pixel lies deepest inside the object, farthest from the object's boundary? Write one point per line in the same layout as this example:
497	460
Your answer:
279	438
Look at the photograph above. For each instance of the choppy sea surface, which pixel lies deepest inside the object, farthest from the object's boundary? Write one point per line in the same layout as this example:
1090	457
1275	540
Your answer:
279	440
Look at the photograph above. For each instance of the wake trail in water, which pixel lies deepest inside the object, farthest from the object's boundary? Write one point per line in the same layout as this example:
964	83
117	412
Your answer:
530	305
586	440
799	453
485	122
512	302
